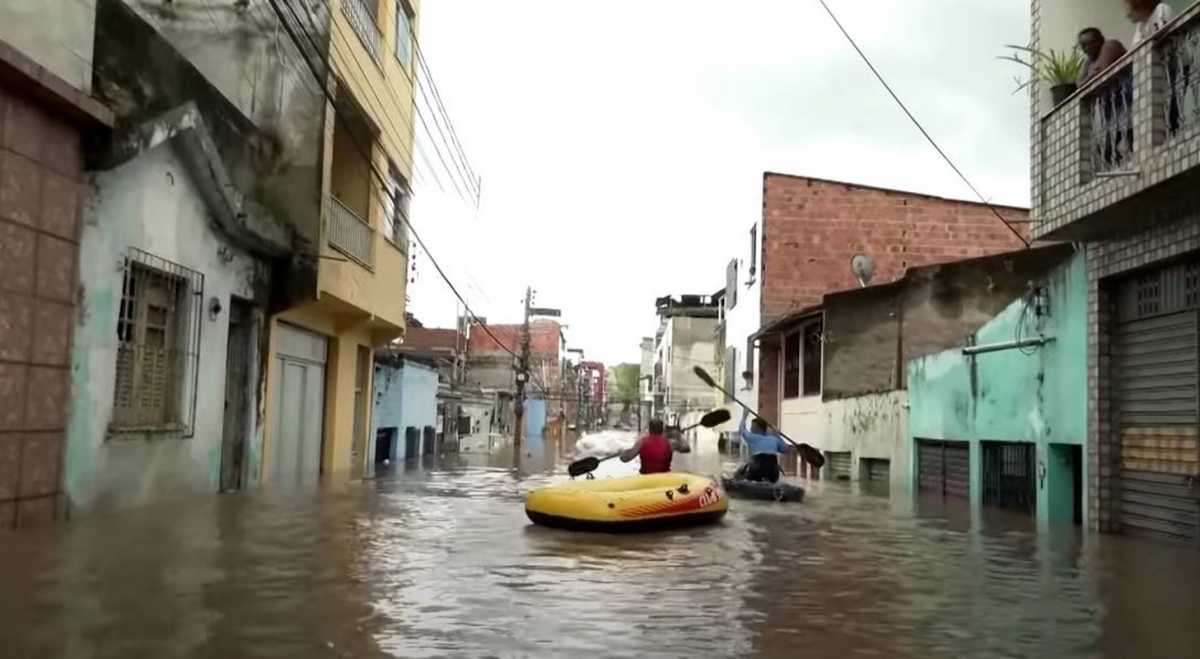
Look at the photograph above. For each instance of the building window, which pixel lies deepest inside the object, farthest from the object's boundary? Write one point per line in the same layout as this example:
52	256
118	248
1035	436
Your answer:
731	281
791	365
748	375
753	254
395	208
812	359
404	35
158	336
802	361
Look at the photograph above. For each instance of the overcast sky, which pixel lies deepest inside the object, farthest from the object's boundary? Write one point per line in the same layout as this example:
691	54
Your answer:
622	143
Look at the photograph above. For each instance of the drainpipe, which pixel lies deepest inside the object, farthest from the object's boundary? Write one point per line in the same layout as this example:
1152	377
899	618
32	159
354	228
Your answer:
1006	345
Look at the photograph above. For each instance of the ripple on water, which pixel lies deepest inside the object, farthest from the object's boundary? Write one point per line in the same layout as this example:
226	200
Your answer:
439	560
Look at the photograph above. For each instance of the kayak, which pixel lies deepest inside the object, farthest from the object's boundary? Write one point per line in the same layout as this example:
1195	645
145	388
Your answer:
644	502
779	491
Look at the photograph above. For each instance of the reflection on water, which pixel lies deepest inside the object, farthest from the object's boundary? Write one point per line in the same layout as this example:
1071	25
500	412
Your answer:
435	560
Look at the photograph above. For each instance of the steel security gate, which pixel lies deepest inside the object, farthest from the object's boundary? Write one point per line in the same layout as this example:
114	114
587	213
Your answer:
1008	479
1155	389
944	468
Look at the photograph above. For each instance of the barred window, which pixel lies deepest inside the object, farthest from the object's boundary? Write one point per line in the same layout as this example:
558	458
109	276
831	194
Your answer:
158	336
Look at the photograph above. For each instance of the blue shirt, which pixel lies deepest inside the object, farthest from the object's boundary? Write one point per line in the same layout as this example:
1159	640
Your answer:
764	443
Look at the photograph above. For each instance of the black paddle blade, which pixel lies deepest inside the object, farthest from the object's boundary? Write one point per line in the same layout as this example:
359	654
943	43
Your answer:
811	455
704	376
714	418
581	467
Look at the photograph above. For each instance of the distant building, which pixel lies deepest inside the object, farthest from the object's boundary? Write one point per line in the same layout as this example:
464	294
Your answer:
688	336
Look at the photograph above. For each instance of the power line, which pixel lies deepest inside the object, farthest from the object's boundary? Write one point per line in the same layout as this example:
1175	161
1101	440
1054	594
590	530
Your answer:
409	124
920	127
375	171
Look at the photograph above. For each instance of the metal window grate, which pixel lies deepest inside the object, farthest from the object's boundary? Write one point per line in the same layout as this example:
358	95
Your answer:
1179	56
361	14
1148	293
158	339
1110	125
1191	284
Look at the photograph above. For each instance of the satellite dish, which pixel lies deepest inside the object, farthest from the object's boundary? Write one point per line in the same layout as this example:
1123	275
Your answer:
863	268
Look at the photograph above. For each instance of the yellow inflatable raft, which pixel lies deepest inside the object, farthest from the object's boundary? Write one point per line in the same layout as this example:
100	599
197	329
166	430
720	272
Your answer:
630	503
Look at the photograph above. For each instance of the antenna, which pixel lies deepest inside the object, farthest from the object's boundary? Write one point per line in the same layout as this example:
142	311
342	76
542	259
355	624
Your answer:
863	268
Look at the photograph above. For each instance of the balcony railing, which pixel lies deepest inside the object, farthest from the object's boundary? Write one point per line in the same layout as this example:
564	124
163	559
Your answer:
1110	124
1180	57
1134	127
362	19
350	234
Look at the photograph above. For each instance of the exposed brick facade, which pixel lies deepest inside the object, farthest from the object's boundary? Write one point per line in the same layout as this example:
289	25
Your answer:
812	228
41	193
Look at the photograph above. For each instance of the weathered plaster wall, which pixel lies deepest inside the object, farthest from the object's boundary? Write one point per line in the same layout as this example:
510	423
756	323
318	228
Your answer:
1009	395
861	337
57	34
692	342
404	397
871	426
152	204
243	73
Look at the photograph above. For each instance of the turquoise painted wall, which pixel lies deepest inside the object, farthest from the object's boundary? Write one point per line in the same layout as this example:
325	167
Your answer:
1039	395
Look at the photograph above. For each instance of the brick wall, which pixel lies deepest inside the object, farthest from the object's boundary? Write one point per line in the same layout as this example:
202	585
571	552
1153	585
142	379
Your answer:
812	228
40	192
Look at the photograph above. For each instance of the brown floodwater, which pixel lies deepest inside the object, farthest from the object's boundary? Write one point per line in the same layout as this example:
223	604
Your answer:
438	560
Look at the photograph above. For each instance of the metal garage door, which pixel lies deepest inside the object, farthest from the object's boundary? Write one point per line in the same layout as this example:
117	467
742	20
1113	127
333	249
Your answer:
1155	390
839	464
876	470
297	415
944	468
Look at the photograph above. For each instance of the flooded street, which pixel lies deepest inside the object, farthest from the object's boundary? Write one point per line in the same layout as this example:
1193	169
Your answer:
438	560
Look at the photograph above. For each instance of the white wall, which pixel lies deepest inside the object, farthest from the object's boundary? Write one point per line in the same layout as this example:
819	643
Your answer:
149	203
869	426
740	322
692	342
56	34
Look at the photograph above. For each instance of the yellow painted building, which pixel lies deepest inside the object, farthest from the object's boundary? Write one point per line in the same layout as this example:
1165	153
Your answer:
319	376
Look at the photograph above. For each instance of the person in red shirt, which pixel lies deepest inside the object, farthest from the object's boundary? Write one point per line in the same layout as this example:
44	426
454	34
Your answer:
654	449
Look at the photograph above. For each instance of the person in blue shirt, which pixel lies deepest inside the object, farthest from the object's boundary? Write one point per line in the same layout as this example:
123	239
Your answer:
764	446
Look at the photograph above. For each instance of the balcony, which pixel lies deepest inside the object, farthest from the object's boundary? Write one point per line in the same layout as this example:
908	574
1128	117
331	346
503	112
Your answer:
363	19
1135	127
350	234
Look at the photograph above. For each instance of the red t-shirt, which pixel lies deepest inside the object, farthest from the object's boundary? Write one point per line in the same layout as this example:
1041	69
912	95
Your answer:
655	454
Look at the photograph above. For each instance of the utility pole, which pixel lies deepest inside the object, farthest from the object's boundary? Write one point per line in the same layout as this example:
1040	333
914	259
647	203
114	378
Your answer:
522	373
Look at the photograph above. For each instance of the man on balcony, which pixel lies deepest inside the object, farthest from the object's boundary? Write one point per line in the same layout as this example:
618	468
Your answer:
1099	51
1148	16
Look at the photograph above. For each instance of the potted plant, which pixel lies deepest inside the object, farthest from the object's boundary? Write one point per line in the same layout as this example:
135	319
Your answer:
1058	68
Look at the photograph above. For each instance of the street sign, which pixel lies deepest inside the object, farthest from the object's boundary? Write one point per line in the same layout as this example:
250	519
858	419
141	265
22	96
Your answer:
544	311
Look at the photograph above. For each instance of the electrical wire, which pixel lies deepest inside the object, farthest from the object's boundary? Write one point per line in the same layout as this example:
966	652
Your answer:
379	177
418	90
921	128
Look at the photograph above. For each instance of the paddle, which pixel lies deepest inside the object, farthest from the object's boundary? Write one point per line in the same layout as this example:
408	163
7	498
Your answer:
585	465
811	455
